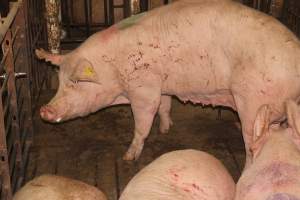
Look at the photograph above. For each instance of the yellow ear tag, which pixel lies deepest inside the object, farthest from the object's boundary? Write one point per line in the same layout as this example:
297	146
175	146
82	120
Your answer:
88	71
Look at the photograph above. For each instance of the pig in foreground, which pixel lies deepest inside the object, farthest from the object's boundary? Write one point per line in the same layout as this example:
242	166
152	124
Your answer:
50	187
181	175
275	171
203	51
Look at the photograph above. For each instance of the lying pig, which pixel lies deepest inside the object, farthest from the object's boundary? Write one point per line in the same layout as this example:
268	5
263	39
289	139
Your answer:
181	175
275	171
50	187
203	51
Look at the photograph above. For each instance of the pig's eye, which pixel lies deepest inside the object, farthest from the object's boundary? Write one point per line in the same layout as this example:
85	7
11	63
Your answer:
74	81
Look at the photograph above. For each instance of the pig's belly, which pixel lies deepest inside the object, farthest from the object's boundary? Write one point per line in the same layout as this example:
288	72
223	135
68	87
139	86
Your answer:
219	97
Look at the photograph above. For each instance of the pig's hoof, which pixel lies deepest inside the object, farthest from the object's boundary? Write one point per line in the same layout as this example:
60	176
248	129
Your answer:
163	130
129	156
133	154
238	126
165	127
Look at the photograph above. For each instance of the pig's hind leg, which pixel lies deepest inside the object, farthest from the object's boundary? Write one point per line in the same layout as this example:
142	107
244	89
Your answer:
144	104
164	114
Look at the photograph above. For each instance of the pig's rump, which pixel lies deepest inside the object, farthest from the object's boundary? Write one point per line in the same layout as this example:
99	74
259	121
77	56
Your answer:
181	175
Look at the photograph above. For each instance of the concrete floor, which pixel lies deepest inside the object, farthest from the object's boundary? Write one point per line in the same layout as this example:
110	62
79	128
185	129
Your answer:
91	148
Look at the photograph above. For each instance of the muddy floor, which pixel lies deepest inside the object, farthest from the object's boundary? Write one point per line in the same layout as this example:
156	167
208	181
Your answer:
91	148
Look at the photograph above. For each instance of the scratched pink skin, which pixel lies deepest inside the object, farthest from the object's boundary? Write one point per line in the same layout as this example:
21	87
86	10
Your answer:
51	187
181	175
205	51
275	171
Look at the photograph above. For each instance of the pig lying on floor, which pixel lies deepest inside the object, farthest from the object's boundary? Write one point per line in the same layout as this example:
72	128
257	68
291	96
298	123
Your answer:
275	171
50	187
181	175
203	51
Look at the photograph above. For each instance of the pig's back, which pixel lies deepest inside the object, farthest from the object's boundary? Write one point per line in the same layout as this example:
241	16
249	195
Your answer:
202	46
51	187
186	174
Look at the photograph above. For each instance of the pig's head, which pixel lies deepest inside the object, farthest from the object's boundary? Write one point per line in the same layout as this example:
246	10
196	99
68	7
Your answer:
82	89
267	137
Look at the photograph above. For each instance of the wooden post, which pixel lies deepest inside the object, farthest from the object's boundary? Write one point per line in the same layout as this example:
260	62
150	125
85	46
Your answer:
134	7
53	25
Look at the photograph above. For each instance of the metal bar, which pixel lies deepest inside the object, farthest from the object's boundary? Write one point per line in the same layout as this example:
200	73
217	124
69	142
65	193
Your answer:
67	15
111	12
11	85
4	84
9	19
105	12
6	192
4	8
25	105
144	5
87	18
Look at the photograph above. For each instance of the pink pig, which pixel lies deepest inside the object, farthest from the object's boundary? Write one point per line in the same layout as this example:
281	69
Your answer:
203	51
52	187
275	171
181	175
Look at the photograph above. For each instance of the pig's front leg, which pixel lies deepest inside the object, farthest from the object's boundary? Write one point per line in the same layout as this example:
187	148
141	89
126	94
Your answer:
144	104
164	114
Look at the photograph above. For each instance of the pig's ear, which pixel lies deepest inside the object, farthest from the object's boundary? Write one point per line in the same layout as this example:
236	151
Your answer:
55	59
84	71
260	129
293	115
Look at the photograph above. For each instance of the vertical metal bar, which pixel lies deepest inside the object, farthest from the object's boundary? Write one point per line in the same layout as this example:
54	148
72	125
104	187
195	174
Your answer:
111	12
144	5
4	167
71	13
4	8
87	18
11	87
27	108
105	13
68	17
90	15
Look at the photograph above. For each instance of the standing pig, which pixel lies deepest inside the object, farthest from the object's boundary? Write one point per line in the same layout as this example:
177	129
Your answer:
181	175
50	187
203	51
275	171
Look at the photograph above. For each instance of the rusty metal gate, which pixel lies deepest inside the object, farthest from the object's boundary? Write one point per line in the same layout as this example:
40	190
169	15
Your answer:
78	31
21	80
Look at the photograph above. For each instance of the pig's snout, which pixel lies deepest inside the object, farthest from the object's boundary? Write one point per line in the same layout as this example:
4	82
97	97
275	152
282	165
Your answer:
282	196
49	113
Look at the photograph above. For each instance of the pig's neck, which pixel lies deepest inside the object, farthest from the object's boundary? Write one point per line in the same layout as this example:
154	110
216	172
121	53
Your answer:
99	47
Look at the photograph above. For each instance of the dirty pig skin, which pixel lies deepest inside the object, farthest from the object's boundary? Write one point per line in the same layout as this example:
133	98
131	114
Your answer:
275	171
203	51
181	175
